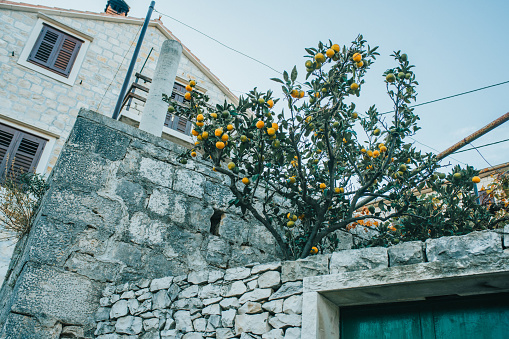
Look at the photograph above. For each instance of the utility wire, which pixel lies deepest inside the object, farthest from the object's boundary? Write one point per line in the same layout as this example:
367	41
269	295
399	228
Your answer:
219	42
455	95
434	149
485	145
481	154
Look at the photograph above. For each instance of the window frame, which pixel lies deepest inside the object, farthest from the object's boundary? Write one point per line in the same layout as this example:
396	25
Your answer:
43	20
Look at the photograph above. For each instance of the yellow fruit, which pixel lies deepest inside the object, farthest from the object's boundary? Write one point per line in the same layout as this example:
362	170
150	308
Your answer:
243	138
275	126
187	96
383	149
205	135
200	124
229	127
231	165
193	154
294	217
308	119
335	48
189	88
317	94
408	160
376	132
357	57
260	124
292	180
363	150
355	115
225	137
270	103
301	94
245	181
354	86
330	53
323	186
476	179
337	190
218	132
314	250
320	58
200	117
359	64
192	83
197	143
199	137
214	115
271	131
290	224
195	133
220	145
370	154
294	93
376	153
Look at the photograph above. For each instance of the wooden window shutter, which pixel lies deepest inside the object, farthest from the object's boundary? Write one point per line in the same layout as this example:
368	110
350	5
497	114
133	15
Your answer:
22	153
55	50
181	125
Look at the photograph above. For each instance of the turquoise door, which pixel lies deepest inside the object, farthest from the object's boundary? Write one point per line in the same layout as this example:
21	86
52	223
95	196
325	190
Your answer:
480	317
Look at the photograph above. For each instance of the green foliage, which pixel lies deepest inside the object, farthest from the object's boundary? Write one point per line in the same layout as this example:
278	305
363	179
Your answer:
314	166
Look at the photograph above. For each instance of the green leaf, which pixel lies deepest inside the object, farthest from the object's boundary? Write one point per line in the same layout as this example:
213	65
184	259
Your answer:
294	73
285	76
277	80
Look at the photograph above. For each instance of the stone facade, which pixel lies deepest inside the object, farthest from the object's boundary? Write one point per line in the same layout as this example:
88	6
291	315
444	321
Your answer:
46	104
35	102
266	300
120	208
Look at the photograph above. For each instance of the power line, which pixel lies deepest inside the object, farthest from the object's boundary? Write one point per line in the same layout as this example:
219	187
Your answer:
455	95
485	145
219	42
481	155
434	149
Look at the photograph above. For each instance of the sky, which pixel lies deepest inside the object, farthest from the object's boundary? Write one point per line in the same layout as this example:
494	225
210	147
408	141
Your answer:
456	46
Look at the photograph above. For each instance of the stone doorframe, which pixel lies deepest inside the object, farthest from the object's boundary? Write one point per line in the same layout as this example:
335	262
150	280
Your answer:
325	295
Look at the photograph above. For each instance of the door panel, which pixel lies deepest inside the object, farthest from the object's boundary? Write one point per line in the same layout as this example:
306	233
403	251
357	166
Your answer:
480	317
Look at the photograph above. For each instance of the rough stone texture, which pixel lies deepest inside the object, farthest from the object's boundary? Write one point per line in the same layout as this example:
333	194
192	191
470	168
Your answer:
462	247
161	284
273	266
256	323
285	320
273	334
406	253
269	279
359	259
256	295
292	333
293	305
309	267
288	289
506	236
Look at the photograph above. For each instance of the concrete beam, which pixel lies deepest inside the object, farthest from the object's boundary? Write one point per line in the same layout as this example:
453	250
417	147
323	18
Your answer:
154	114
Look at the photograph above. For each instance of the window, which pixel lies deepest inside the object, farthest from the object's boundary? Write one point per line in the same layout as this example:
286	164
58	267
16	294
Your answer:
19	151
55	50
174	122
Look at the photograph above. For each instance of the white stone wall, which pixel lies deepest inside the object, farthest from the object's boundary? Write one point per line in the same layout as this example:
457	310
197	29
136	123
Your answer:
265	301
47	104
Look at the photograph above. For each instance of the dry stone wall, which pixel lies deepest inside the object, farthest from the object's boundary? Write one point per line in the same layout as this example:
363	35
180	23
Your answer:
262	301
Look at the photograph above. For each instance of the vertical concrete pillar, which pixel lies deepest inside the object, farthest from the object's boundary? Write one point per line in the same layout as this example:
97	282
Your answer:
155	110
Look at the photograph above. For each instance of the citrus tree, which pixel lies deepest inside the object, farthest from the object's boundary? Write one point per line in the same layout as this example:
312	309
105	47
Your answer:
319	167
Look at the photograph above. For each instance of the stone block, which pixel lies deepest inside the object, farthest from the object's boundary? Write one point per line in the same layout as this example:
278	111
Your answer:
200	324
274	306
276	333
406	253
293	305
292	333
210	291
463	247
237	273
235	289
250	308
285	320
215	276
255	323
224	333
92	137
129	325
66	296
273	266
189	182
198	277
287	289
189	292
183	321
299	269
160	284
161	300
228	317
269	279
359	259
256	295
157	172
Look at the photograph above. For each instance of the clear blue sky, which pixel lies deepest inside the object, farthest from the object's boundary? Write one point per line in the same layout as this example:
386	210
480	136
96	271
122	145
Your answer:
456	46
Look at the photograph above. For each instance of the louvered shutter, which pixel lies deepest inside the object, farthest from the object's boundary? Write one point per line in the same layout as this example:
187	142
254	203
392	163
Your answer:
55	50
22	153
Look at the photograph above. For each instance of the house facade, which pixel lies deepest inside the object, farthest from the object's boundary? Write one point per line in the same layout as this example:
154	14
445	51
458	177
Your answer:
55	61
